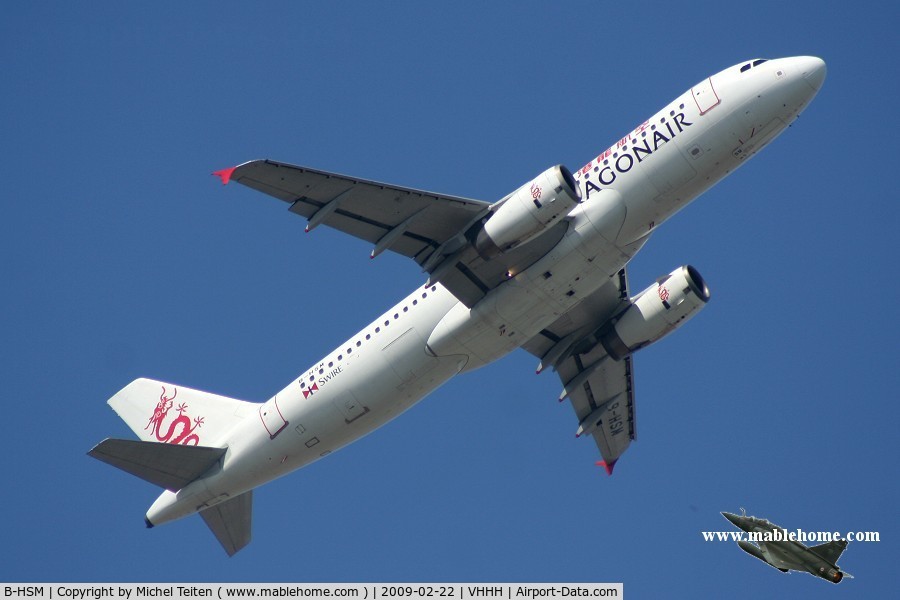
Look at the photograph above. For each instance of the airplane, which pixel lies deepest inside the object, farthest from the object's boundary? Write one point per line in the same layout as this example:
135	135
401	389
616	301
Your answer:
790	555
543	268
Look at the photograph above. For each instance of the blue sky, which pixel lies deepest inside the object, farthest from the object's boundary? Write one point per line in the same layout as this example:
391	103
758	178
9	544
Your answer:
123	257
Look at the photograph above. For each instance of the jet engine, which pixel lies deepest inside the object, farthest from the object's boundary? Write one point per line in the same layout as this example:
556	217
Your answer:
656	312
529	211
833	575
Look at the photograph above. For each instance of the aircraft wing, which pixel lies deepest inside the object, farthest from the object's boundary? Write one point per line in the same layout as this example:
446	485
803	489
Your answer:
430	228
830	551
600	389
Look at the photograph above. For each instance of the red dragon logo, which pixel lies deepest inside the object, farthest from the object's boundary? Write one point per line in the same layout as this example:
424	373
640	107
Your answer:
182	423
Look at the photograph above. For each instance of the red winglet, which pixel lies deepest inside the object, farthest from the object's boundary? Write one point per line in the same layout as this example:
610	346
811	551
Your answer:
608	467
225	175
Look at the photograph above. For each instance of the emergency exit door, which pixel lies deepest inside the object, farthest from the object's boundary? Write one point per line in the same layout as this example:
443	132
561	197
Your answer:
271	417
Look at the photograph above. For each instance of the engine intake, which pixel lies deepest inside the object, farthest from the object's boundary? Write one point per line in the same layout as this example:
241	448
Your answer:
657	311
529	211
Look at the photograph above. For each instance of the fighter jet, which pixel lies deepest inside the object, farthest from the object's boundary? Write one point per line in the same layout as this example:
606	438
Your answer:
786	554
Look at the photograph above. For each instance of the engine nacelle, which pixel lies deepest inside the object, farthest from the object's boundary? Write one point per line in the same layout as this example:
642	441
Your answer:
834	575
656	312
529	211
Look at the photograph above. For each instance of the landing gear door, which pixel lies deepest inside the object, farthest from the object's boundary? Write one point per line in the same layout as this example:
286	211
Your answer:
271	417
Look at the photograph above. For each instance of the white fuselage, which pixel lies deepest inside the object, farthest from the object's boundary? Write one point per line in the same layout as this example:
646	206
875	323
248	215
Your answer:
429	336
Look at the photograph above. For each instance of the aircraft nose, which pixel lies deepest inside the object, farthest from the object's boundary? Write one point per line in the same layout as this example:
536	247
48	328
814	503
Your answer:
813	70
733	518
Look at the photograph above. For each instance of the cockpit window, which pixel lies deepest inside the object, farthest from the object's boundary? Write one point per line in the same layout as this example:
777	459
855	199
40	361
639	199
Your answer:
755	63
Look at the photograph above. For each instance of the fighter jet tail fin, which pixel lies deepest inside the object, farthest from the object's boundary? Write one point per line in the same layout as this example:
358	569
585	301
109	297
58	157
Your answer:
163	412
830	551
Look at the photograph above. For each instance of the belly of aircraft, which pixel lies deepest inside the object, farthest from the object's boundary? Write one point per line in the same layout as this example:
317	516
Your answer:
778	557
363	396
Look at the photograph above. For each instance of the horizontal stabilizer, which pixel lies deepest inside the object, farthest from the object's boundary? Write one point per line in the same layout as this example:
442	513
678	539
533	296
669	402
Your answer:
830	551
166	465
230	521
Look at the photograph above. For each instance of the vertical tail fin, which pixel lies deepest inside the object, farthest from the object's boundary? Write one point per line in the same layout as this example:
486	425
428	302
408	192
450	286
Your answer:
163	412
